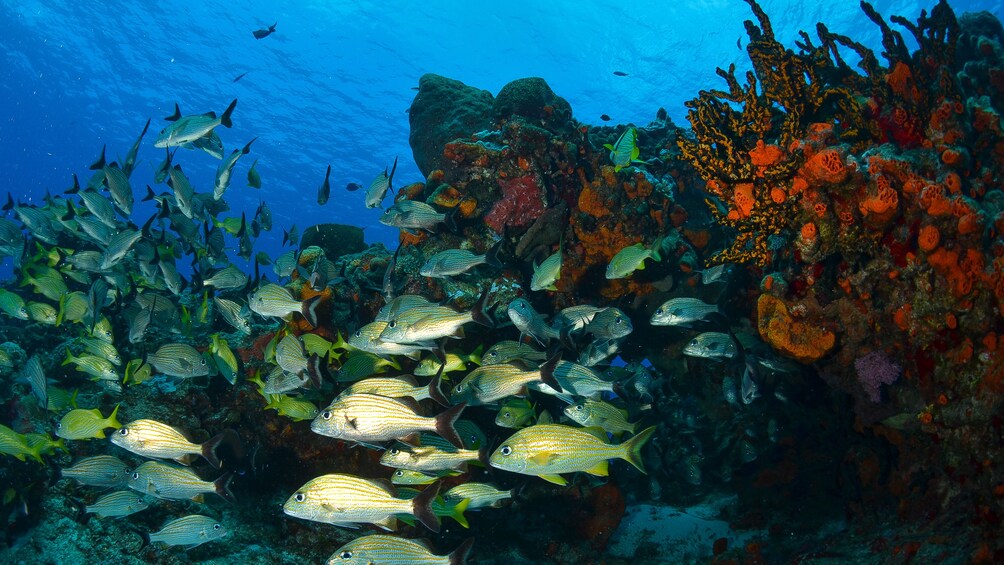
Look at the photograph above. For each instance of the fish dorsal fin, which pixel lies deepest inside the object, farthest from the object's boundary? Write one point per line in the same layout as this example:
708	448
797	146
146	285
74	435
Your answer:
411	403
211	115
597	432
385	485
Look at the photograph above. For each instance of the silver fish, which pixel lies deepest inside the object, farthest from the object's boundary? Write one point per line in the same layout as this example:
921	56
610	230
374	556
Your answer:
274	300
189	531
712	345
682	311
226	169
610	323
230	311
98	471
117	504
379	187
529	322
412	215
451	262
179	360
188	129
35	376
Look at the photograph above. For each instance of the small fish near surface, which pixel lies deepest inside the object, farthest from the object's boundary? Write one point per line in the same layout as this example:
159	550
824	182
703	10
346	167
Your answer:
347	501
379	187
189	531
264	32
548	450
324	191
381	549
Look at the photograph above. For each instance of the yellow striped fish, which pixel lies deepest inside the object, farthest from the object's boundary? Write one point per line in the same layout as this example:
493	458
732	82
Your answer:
391	550
347	500
179	360
369	418
391	387
600	414
98	471
86	424
367	338
16	445
481	495
428	458
190	531
409	477
505	351
547	450
156	440
436	322
490	383
272	300
176	483
117	504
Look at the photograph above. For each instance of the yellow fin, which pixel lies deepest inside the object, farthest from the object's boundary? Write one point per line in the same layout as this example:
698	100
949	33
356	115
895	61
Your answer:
556	479
600	469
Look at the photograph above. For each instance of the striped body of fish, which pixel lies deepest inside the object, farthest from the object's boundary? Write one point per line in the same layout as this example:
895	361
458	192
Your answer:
392	550
548	450
98	471
529	322
547	273
347	500
169	482
427	458
369	418
625	151
117	504
272	300
190	531
481	495
179	360
156	440
189	129
490	383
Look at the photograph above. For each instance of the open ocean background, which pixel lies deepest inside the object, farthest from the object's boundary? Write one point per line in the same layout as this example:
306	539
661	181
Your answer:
333	84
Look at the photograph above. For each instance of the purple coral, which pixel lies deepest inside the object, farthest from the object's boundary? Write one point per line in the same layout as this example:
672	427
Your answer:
876	369
521	203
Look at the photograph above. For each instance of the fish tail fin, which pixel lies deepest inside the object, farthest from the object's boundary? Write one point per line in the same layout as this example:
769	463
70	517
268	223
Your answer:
309	310
315	370
459	555
435	392
492	256
445	425
81	517
225	118
475	356
390	177
68	359
422	507
478	312
227	436
76	186
112	421
222	487
71	212
547	372
632	448
657	247
457	512
247	148
176	115
100	163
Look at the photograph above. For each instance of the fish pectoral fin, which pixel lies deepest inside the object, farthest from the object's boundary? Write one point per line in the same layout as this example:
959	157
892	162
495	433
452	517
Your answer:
600	469
351	422
544	458
556	479
185	364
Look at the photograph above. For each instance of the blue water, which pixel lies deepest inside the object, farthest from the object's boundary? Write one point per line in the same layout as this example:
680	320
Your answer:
333	84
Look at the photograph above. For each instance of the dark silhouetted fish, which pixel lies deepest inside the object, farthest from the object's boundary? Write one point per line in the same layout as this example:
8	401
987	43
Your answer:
263	33
324	191
240	76
620	74
605	118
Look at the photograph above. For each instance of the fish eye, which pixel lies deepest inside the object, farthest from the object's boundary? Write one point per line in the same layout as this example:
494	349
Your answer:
359	333
203	364
59	425
658	311
124	432
460	388
394	451
135	476
300	497
579	407
391	324
216	526
326	414
506	450
345	555
399	473
618	320
507	414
